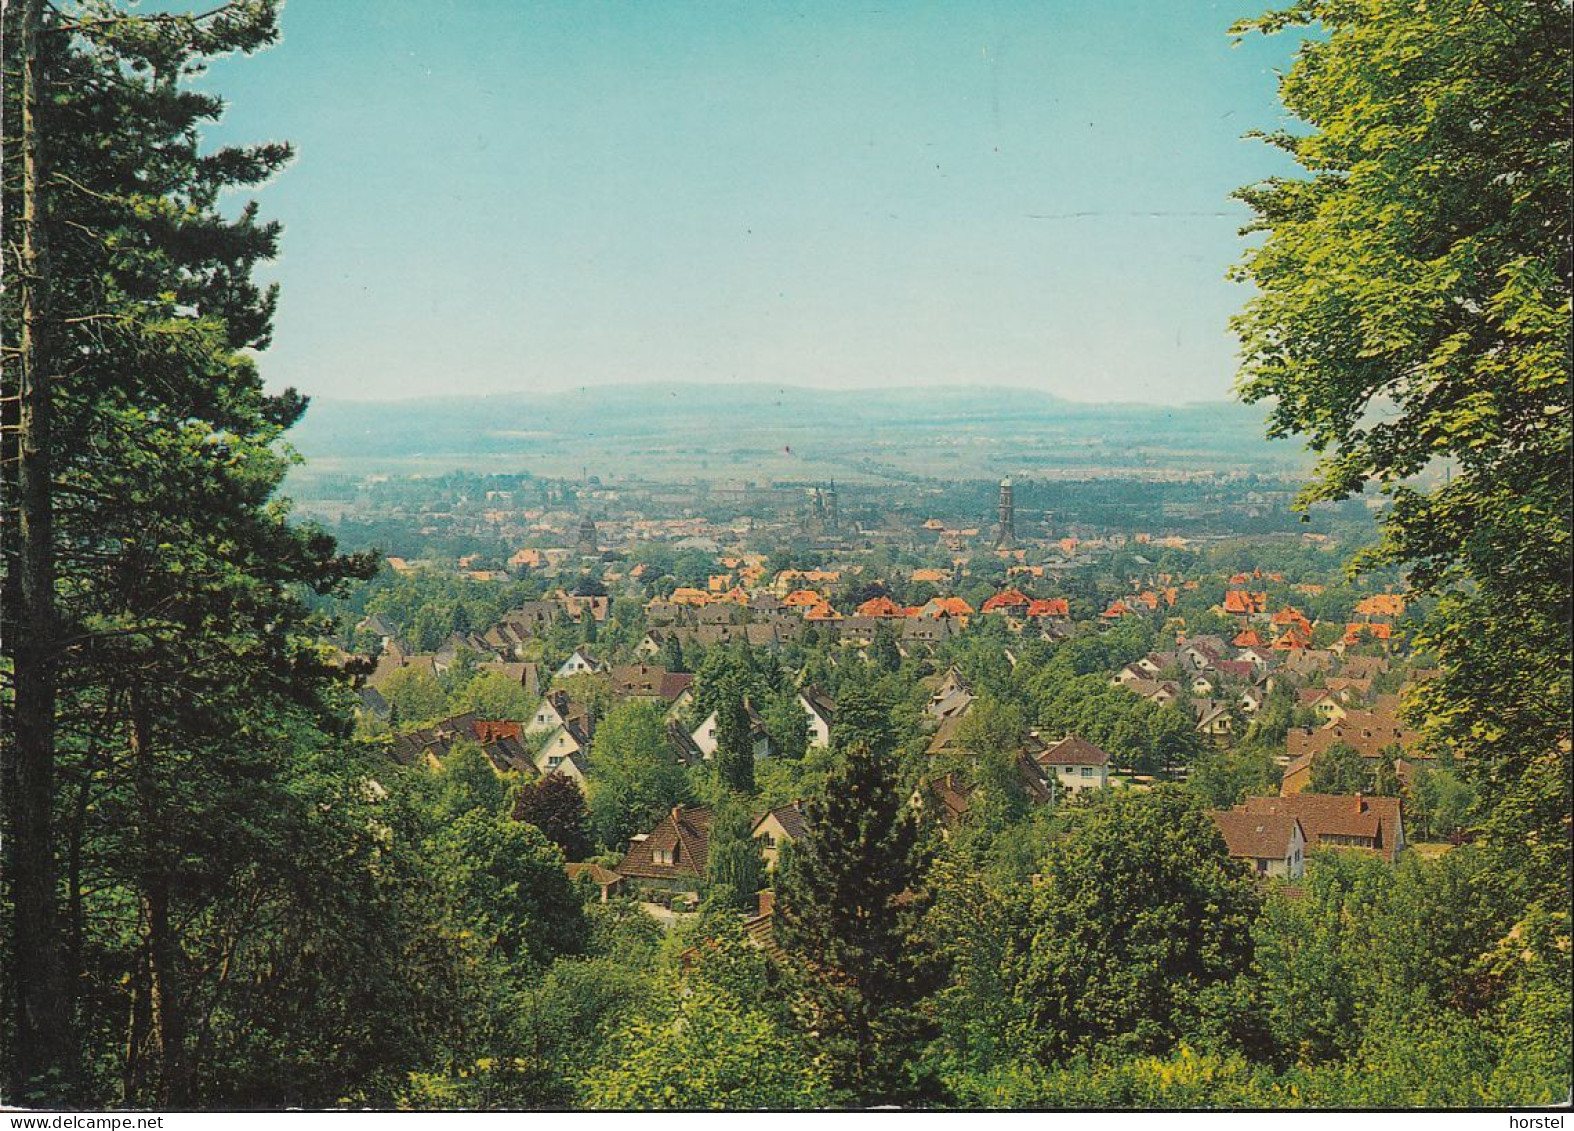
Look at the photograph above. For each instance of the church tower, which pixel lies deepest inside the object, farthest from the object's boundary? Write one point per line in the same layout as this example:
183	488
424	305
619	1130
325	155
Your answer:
586	546
1006	532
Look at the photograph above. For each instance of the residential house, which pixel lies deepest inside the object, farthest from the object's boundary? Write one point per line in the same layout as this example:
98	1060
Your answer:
1271	844
672	856
778	827
527	675
1213	717
953	697
1340	820
1162	692
653	684
705	740
566	751
821	710
582	662
1076	765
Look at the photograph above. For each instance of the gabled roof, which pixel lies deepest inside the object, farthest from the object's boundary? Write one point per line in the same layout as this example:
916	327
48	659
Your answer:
1009	599
1243	603
819	702
1236	669
1050	607
1257	836
880	607
947	607
1381	605
595	873
649	681
687	831
1074	751
683	744
1337	815
789	817
953	794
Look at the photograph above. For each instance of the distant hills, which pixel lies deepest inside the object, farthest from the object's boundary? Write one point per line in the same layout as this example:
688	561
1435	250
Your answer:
770	431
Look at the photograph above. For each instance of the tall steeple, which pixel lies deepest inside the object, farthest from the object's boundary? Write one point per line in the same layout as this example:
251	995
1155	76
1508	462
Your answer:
586	545
1006	532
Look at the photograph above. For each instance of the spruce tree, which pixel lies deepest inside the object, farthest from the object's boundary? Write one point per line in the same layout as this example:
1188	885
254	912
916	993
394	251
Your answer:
732	861
847	913
734	738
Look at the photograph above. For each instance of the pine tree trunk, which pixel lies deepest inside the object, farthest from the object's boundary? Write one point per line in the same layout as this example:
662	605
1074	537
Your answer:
42	1062
166	1001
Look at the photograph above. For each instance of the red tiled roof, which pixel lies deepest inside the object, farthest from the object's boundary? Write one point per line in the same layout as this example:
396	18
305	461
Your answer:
1381	605
1010	599
1050	607
1243	603
948	606
1074	751
685	830
1256	836
881	607
1337	815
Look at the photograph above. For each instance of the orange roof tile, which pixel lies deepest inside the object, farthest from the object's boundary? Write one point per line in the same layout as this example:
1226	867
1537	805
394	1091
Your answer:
1010	599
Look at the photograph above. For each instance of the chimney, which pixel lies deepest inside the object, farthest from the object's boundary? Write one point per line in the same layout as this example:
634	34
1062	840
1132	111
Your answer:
677	813
1360	804
767	901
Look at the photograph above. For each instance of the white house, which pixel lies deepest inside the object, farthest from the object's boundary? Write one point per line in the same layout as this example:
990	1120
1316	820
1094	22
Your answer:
582	662
563	752
820	710
1076	765
704	736
1270	844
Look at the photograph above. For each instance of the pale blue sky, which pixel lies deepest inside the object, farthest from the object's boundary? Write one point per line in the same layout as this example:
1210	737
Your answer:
494	195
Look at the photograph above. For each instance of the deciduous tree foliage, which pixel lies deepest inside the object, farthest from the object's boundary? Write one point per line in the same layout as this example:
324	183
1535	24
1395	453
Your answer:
635	776
1339	769
1139	920
555	805
732	860
1412	312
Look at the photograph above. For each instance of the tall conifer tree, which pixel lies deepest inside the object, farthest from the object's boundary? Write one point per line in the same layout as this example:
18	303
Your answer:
848	913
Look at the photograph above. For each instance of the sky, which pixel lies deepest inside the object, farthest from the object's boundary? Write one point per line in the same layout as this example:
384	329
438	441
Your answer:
494	196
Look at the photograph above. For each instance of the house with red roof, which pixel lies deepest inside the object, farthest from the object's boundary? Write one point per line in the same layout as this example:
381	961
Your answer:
1055	608
1009	601
1076	765
880	607
1243	603
671	856
1340	820
1270	844
1390	606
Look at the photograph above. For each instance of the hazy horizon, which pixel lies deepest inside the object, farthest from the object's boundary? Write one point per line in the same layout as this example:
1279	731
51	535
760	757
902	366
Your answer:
515	197
657	386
